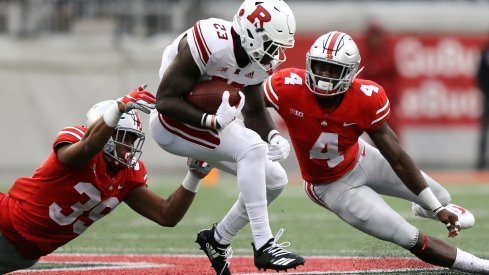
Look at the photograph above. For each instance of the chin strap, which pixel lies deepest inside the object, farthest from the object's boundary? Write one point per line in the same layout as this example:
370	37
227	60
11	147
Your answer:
358	72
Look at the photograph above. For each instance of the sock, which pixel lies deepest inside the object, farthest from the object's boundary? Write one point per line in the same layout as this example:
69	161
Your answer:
260	227
252	189
469	263
232	223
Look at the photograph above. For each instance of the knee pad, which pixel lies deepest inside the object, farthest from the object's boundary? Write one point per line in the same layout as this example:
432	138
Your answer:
276	176
406	236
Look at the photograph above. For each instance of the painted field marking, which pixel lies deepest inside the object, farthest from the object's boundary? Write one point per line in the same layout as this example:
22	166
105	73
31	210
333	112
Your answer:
111	264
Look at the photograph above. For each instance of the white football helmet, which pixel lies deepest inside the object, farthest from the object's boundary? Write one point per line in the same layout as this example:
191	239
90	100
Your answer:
337	54
128	134
266	28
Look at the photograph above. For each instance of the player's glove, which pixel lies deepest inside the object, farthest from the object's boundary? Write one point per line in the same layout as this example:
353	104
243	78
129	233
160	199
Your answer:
225	113
279	148
138	99
198	168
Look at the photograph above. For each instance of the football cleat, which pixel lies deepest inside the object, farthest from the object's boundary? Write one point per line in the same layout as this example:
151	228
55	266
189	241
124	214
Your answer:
218	254
198	168
274	256
467	220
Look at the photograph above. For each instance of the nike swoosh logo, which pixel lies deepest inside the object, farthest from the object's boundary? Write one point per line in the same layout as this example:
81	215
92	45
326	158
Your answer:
346	124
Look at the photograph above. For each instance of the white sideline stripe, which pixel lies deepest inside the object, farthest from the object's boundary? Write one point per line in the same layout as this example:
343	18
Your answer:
139	265
383	271
102	266
203	256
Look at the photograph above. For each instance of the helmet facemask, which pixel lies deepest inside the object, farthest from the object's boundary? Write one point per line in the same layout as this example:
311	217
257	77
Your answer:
270	55
327	77
125	145
332	64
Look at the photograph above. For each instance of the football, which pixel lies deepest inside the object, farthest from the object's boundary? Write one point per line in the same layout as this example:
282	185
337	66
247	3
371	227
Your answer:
207	95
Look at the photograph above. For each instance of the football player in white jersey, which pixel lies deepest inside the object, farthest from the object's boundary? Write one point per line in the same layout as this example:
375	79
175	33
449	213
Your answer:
243	52
346	175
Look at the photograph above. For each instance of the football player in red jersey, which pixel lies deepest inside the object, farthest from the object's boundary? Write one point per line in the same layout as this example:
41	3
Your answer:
89	172
326	109
243	53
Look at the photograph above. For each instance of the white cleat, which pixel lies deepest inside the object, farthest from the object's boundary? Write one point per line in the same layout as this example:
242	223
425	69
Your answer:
467	220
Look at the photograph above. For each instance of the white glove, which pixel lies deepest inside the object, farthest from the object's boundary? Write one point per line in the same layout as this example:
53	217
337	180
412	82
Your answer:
279	148
225	113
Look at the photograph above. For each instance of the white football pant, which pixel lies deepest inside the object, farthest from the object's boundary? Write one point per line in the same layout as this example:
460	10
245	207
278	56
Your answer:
255	172
356	199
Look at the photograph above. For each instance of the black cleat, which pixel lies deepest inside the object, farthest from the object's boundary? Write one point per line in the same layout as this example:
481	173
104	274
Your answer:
275	256
218	254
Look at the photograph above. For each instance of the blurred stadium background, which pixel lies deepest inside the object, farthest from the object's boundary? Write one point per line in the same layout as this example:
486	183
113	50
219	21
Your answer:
59	57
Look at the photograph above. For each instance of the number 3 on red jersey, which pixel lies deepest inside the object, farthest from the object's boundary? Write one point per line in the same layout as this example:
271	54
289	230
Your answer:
94	205
326	147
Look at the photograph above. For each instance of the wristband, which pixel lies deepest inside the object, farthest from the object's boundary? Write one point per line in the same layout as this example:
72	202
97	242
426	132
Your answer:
209	121
439	209
191	183
112	115
271	134
428	198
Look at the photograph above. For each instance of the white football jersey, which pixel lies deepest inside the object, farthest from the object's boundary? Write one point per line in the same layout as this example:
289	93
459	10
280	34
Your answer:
212	48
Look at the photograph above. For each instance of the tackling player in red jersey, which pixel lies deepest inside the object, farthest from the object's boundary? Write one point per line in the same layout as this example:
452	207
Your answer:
326	110
89	172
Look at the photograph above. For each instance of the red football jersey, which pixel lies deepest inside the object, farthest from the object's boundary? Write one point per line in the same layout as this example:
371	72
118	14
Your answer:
325	141
55	205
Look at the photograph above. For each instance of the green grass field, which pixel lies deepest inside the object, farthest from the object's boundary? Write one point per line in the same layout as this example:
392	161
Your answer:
312	230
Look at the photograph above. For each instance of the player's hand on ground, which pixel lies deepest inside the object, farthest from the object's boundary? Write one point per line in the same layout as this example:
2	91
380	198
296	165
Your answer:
198	168
279	148
226	113
138	99
451	222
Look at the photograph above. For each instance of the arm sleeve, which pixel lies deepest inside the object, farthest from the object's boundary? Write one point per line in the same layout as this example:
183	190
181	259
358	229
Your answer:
379	109
198	45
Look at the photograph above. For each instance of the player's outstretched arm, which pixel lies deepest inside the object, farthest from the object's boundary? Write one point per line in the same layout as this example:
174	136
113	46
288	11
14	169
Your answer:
168	212
77	154
405	168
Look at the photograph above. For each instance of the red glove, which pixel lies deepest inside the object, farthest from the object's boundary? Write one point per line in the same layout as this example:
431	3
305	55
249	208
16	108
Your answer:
138	99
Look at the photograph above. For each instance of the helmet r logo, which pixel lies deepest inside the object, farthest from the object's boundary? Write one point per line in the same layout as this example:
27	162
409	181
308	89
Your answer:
261	14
